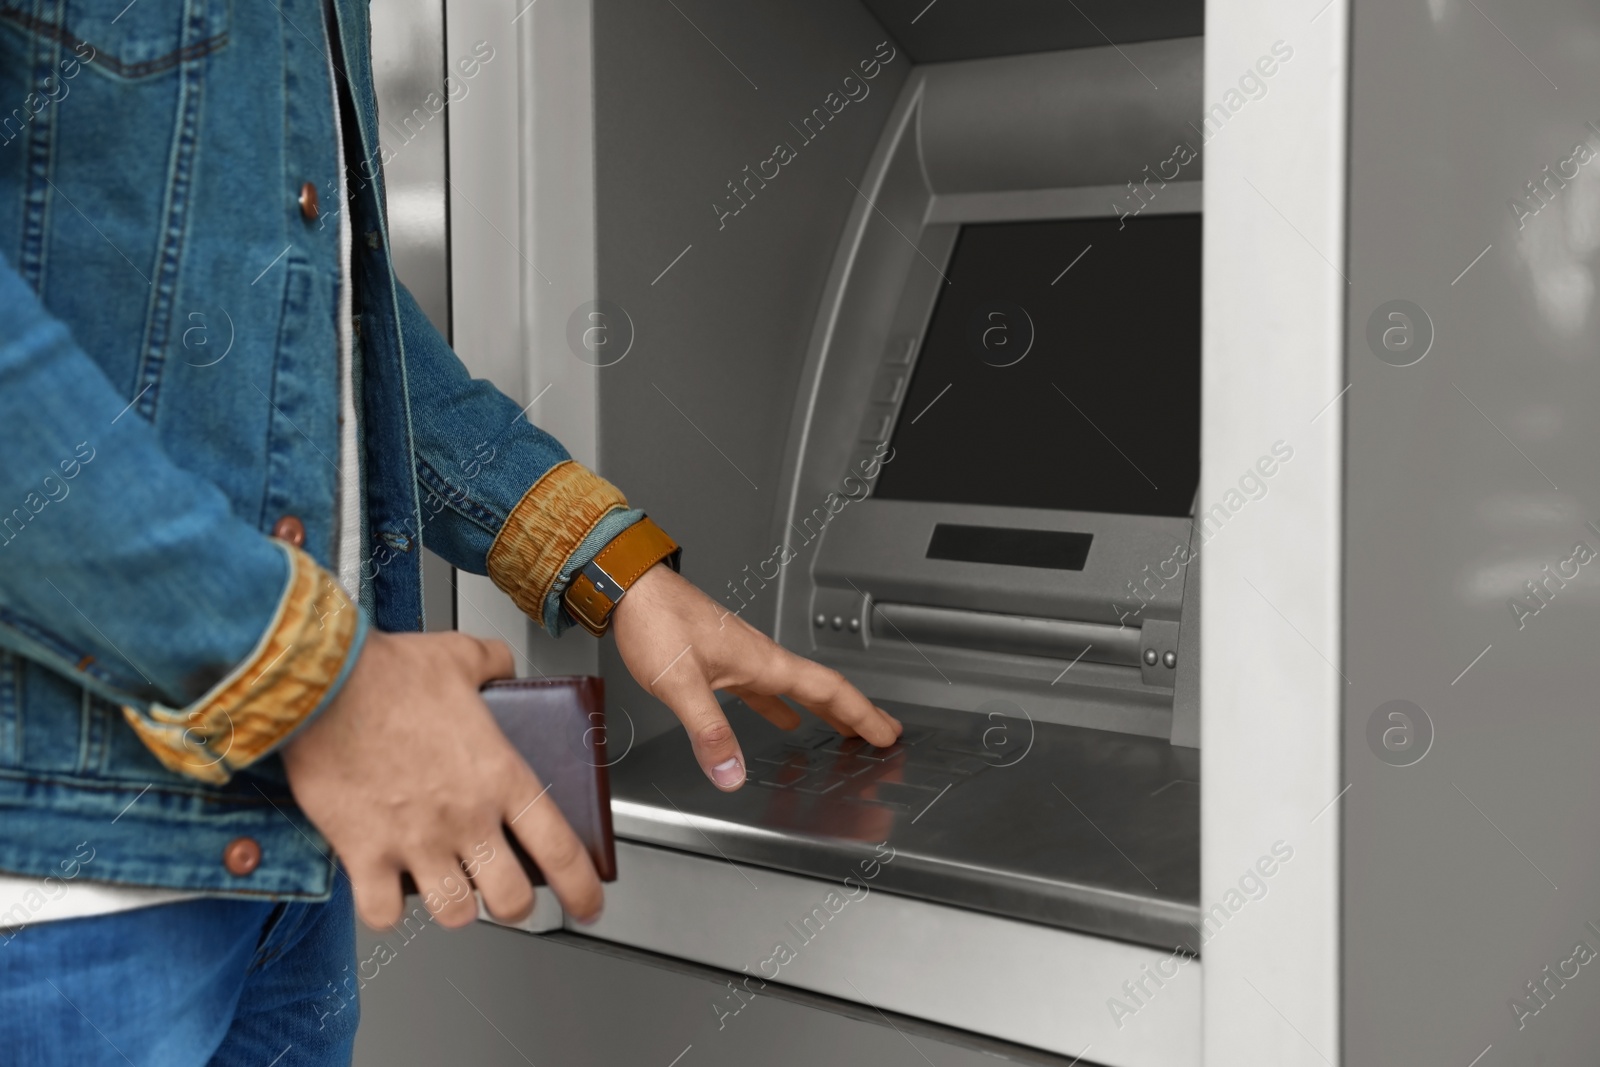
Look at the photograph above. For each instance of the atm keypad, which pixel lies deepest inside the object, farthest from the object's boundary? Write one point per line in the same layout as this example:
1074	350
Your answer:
906	776
861	749
782	775
848	766
860	745
899	795
805	740
935	777
787	753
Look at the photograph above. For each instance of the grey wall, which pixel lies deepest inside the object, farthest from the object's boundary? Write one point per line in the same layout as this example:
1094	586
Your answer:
1469	871
681	108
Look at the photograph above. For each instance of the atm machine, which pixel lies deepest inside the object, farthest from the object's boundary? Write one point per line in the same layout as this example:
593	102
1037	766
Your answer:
1044	314
984	521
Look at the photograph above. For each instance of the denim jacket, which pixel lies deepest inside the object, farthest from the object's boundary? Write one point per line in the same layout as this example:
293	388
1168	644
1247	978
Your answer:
169	397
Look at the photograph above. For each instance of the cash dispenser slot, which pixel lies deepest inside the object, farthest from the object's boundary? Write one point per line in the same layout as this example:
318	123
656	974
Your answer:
1016	634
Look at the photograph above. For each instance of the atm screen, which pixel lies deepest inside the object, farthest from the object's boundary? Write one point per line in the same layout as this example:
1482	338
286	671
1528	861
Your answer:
1061	370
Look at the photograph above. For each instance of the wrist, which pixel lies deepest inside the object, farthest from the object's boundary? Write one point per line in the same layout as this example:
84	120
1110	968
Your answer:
560	523
645	591
602	585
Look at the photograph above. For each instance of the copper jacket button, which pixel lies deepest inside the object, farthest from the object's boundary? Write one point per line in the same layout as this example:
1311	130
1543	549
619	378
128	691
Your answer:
241	856
290	529
308	201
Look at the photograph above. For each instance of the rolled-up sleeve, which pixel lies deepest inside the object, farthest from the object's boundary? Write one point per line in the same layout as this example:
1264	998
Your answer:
133	577
500	496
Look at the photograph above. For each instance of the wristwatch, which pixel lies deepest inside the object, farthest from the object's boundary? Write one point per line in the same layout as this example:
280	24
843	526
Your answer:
595	591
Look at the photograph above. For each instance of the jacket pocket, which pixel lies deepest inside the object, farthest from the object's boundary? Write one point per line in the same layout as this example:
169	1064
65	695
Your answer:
302	477
123	40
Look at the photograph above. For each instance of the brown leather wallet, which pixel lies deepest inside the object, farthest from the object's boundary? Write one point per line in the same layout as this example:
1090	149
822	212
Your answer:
594	591
558	726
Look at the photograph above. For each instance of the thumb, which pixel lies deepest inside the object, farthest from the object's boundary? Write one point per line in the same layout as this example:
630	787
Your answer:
488	660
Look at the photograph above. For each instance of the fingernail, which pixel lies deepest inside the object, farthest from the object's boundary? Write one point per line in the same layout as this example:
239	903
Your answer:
590	921
728	774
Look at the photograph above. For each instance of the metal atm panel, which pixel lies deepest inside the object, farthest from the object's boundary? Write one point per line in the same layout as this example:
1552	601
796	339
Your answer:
1038	778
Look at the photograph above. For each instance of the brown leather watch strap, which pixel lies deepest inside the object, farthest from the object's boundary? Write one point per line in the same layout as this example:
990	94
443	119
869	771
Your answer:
594	591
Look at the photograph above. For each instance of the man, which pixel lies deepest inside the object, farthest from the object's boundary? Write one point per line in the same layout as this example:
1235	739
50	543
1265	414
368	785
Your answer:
227	433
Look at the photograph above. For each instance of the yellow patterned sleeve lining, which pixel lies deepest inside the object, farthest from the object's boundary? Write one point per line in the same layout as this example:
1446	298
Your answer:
544	529
265	699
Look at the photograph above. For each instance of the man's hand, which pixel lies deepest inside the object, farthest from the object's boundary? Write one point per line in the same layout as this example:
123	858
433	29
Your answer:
680	645
407	771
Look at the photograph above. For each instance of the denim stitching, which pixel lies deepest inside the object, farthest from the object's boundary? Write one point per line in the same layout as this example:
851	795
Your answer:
51	640
457	499
53	32
88	735
219	801
170	254
36	197
292	318
70	660
278	933
10	707
106	717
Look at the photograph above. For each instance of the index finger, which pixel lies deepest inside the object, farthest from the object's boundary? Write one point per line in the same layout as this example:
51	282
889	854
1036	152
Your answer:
716	748
825	693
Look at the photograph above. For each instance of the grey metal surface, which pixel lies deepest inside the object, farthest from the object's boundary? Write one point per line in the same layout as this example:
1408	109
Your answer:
942	1037
1272	361
1470	871
408	72
493	997
1078	641
1019	982
935	31
1061	119
1083	829
1099	696
1186	686
880	547
1086	201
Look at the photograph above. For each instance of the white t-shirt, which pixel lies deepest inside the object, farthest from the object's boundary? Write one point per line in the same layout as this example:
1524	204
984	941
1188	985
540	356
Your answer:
25	901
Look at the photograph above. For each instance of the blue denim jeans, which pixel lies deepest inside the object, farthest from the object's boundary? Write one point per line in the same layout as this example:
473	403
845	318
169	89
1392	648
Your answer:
223	982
